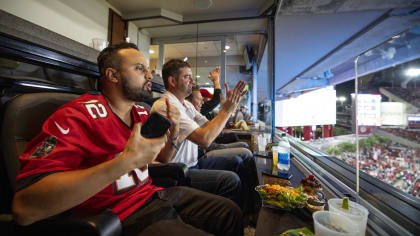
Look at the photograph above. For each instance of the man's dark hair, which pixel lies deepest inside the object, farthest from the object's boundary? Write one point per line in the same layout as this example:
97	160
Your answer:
194	88
108	58
171	68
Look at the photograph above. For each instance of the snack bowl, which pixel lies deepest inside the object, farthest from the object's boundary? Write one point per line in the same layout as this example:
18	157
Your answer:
280	197
315	205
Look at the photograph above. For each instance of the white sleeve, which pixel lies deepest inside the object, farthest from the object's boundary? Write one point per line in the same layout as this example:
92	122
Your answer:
186	124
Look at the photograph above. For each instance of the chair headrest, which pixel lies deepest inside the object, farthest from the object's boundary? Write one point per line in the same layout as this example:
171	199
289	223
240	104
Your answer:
23	119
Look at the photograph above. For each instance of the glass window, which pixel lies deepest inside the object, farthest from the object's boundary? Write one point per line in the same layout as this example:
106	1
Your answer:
388	113
17	70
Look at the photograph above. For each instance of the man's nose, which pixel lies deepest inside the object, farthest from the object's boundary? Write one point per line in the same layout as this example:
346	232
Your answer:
149	75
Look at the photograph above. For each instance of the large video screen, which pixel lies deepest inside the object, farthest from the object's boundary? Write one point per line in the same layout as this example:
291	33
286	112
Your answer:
317	107
369	109
393	113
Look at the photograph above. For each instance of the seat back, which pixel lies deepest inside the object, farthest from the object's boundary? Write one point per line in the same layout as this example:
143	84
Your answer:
22	121
23	118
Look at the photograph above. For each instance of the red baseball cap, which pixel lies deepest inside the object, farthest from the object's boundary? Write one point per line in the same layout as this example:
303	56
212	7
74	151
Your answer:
205	93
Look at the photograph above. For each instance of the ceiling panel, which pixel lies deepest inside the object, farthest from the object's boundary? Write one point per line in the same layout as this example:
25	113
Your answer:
209	48
186	7
220	28
153	22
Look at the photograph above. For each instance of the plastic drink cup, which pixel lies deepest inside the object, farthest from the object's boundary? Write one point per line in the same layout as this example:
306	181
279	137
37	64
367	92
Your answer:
356	212
261	143
275	168
327	223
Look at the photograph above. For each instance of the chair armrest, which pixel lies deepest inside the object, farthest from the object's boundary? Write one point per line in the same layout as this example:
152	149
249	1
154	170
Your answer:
105	223
176	171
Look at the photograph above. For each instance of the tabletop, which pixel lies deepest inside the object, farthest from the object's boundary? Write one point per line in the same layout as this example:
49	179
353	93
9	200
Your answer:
275	221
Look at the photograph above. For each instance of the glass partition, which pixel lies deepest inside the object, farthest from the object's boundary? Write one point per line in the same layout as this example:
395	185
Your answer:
373	149
388	112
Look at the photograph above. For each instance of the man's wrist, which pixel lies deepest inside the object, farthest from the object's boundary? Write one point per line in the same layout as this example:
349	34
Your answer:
173	132
216	84
225	111
173	141
174	137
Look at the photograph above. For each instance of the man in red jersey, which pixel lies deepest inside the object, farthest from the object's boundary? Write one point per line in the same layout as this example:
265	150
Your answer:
90	155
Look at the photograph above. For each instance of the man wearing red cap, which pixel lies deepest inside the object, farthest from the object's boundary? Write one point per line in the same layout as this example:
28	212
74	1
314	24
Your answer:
207	96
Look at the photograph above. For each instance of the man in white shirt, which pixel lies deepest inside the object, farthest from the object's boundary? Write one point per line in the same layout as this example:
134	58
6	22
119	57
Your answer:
195	130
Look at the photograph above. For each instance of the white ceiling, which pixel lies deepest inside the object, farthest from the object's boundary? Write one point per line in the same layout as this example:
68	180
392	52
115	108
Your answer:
208	48
186	8
180	21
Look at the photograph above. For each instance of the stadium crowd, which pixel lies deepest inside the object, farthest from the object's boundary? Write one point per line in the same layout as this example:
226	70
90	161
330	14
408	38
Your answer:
392	163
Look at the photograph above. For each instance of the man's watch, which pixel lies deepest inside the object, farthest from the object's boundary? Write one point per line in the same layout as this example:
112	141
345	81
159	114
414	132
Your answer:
172	142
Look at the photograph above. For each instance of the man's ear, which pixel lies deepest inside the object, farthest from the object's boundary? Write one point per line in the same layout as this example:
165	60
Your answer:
111	75
171	81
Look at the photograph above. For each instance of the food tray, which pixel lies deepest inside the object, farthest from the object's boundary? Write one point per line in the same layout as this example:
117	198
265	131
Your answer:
274	203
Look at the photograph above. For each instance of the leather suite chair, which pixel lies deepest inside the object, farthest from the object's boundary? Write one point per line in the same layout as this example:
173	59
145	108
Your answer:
22	121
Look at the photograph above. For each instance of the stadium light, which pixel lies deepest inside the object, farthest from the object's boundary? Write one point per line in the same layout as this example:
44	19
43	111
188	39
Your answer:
341	99
413	72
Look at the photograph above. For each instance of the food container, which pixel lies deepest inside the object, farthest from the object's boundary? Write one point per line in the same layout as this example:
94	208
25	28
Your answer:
315	204
327	223
357	213
281	197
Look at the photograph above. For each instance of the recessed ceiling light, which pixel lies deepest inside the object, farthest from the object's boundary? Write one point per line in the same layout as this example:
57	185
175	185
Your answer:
227	47
202	4
185	58
151	51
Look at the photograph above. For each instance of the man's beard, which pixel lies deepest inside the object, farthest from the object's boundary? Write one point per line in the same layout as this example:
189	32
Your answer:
188	91
136	94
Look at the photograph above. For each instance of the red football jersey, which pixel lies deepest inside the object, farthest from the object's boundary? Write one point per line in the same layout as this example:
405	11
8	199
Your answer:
81	134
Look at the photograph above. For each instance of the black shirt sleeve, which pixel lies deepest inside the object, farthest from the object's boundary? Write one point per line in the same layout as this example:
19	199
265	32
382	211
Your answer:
210	105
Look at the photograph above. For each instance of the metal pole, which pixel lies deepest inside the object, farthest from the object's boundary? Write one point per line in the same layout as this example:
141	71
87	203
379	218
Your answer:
272	77
356	104
161	59
254	102
223	65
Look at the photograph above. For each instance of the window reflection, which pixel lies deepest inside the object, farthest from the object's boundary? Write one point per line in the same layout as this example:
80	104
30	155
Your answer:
17	70
390	148
388	115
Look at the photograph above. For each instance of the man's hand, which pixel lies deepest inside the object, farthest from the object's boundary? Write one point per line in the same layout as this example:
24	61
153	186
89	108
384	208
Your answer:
214	76
173	115
140	151
233	96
